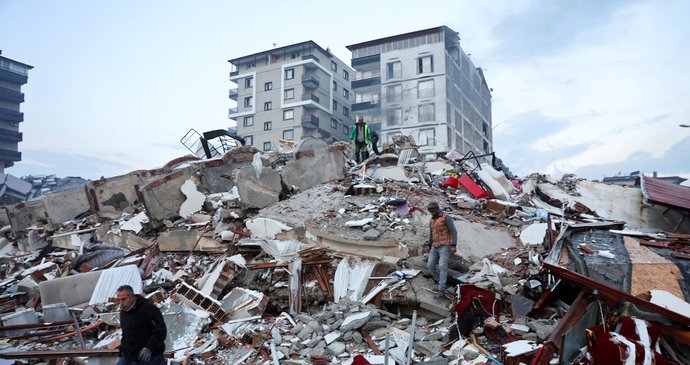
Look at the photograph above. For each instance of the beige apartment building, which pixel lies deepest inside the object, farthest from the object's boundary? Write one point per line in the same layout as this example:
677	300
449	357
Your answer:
290	93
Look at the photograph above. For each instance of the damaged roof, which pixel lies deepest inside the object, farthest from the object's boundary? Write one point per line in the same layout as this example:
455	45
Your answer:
657	191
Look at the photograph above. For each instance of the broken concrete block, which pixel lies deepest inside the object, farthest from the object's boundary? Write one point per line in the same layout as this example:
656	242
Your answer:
110	197
183	240
196	299
543	327
65	205
27	316
194	200
244	303
372	234
57	312
336	348
134	224
255	193
314	164
163	196
25	214
355	321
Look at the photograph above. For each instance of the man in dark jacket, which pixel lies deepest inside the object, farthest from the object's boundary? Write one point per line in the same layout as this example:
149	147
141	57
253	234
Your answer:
143	329
443	238
360	135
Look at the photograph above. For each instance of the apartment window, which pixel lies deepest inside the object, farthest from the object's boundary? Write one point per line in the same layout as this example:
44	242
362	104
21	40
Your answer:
289	94
289	73
427	137
288	135
334	66
427	113
394	116
346	111
334	124
268	126
268	105
346	129
248	121
346	75
294	55
425	89
248	101
248	82
335	105
288	114
251	65
425	64
394	70
267	146
346	93
248	140
394	93
268	86
335	86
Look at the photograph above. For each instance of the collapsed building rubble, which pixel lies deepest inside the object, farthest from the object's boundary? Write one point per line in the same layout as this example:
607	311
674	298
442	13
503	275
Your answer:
304	257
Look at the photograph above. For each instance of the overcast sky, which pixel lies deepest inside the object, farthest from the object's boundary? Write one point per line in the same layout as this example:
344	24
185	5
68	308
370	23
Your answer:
589	87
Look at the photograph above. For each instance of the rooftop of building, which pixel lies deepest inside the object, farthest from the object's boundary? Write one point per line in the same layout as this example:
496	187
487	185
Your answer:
15	61
399	37
283	49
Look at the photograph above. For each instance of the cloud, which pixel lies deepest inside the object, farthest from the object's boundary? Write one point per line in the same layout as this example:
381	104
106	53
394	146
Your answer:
63	164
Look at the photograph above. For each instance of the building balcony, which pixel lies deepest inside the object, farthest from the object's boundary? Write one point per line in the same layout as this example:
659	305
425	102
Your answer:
366	105
11	115
232	112
310	97
10	155
13	77
310	121
11	95
310	81
371	81
10	136
365	60
310	64
233	94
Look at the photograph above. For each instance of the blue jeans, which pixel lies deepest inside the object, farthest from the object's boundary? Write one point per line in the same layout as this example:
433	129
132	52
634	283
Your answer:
155	360
438	265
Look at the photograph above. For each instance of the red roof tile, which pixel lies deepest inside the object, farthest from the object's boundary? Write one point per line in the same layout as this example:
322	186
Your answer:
665	193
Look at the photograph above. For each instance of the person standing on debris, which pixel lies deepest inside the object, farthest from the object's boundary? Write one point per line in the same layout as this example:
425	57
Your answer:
375	143
143	329
443	239
360	135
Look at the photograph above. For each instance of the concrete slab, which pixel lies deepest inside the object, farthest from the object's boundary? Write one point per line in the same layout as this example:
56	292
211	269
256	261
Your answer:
385	249
163	197
314	164
183	241
195	200
65	205
476	240
257	193
25	214
110	197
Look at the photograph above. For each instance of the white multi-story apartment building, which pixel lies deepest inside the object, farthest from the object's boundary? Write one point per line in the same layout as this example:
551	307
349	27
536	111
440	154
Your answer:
423	84
290	93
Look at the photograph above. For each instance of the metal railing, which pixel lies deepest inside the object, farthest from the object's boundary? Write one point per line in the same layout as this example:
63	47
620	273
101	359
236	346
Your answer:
367	75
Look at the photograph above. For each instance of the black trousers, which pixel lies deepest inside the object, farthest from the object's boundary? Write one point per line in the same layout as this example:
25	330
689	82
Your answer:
361	152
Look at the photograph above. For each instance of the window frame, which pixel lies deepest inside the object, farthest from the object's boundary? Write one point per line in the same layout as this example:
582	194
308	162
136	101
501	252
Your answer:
249	82
268	124
394	112
291	111
334	66
393	97
285	94
268	86
346	93
248	101
334	123
292	131
432	90
269	146
420	64
426	113
248	118
346	75
390	70
289	71
268	105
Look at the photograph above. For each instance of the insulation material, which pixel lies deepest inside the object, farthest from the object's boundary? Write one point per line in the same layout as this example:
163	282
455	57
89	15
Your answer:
520	347
266	228
111	279
534	234
135	223
195	199
351	280
284	250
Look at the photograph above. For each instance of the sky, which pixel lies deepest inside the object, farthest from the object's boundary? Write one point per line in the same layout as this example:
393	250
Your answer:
594	88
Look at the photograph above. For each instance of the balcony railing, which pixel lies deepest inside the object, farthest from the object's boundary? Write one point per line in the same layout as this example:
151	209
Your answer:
8	135
310	121
310	96
232	112
311	57
11	95
310	80
10	155
11	115
233	94
369	104
363	75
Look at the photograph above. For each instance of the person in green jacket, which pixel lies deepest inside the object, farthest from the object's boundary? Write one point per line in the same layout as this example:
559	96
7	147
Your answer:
361	136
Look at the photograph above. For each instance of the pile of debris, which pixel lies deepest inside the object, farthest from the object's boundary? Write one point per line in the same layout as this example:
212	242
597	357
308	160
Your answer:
304	257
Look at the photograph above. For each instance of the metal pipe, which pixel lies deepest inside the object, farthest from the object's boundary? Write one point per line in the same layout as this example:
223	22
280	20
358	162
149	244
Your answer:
274	353
385	351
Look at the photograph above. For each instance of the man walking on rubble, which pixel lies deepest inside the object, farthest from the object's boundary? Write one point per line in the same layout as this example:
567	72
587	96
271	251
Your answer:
443	239
143	329
360	135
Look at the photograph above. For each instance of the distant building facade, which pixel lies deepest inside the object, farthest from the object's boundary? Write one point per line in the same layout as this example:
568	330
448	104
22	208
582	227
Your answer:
290	93
423	84
13	75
